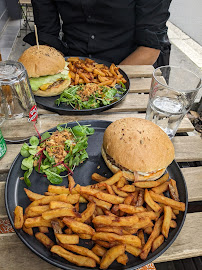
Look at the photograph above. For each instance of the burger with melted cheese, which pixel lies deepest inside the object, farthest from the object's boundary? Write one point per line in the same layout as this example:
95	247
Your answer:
138	147
47	70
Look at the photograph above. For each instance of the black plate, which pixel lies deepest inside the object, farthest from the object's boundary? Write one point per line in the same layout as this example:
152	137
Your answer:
15	195
48	103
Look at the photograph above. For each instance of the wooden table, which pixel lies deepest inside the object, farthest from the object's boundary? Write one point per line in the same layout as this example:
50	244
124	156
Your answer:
15	255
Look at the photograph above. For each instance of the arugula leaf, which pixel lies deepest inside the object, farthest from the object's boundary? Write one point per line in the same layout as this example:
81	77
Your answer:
34	141
54	178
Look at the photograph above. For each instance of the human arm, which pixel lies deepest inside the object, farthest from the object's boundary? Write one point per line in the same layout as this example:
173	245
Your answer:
142	56
151	18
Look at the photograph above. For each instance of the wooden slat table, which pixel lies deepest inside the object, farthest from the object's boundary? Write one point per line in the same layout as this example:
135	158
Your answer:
187	148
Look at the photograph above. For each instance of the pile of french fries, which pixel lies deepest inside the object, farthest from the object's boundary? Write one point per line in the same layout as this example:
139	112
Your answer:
88	71
120	218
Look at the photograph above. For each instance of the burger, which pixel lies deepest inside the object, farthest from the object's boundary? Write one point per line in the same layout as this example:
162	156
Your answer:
47	70
137	147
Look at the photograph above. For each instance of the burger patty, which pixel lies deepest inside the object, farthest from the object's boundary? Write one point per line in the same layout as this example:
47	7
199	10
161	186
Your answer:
116	164
55	84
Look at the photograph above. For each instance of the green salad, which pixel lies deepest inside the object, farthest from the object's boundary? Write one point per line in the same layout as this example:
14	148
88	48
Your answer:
90	96
55	153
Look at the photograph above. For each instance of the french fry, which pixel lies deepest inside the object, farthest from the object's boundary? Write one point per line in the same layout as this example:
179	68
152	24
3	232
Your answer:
85	215
173	183
98	250
146	184
155	233
135	198
109	198
85	236
18	219
161	188
68	239
111	237
98	178
121	183
133	250
173	224
27	230
58	189
119	192
128	188
60	212
58	204
43	229
128	200
166	220
114	221
172	192
49	193
157	242
163	178
71	257
82	251
111	255
111	229
150	214
114	179
123	259
130	209
71	183
44	239
140	198
142	223
98	202
108	82
33	196
73	59
78	227
76	78
68	231
37	222
148	230
167	201
36	211
148	199
140	234
99	211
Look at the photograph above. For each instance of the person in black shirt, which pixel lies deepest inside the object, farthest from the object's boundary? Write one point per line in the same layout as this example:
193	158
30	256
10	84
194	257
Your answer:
119	31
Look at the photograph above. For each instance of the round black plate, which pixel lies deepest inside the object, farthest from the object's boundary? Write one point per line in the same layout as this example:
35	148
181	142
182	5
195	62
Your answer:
48	103
15	195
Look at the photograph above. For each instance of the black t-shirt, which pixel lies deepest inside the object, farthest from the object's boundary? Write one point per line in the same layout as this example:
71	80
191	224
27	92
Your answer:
104	29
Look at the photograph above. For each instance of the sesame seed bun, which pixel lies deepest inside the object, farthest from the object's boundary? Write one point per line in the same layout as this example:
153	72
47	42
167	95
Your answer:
42	61
137	146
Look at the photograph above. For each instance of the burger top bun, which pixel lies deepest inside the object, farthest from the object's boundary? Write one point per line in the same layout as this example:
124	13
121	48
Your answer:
138	145
42	61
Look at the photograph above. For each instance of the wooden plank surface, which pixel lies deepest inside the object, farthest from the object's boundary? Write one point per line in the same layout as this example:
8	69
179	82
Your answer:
140	85
21	129
138	71
192	177
186	245
186	148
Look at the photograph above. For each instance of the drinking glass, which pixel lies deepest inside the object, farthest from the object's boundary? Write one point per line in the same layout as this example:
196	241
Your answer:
16	97
173	91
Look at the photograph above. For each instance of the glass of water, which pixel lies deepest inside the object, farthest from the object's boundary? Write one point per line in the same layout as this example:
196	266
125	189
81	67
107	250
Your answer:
173	91
16	97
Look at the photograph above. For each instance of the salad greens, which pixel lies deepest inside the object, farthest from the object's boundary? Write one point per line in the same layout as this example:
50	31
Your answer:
104	96
36	155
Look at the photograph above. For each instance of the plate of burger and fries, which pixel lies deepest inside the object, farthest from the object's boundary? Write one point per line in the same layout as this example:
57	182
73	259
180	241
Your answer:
97	219
73	85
